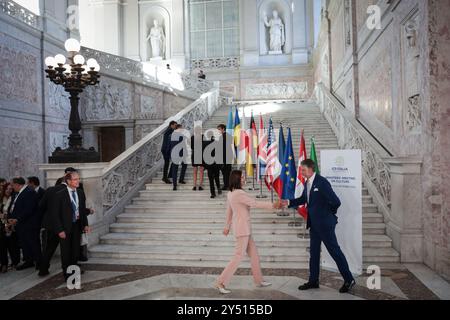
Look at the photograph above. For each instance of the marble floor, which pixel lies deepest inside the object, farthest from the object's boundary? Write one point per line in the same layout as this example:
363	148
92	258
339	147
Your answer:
119	282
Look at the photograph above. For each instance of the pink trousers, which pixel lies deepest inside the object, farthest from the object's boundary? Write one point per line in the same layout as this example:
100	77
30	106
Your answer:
243	245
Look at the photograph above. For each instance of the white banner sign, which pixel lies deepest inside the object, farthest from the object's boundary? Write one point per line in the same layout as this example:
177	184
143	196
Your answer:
342	168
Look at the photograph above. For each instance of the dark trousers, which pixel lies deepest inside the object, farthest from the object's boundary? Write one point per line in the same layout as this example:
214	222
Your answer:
174	170
9	245
70	247
30	242
326	235
166	168
226	171
213	176
50	241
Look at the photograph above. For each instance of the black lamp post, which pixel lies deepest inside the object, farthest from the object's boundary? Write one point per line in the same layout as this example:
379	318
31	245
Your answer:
74	77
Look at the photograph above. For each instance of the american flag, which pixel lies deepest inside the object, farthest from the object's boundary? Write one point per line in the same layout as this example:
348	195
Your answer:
273	169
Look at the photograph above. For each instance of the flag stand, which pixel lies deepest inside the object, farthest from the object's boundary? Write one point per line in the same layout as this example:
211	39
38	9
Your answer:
302	236
261	195
295	223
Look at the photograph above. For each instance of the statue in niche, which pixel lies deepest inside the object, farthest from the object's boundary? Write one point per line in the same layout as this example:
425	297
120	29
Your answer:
276	33
157	40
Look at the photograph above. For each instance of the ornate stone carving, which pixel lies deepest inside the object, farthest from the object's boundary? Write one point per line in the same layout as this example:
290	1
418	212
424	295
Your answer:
149	108
57	139
414	113
287	90
375	169
20	13
16	68
58	100
120	179
107	101
216	63
15	160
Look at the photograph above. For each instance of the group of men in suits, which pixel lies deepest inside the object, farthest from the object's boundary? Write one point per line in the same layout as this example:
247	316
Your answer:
59	212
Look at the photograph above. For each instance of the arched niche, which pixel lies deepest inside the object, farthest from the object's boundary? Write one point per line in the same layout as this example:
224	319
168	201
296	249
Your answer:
266	7
149	14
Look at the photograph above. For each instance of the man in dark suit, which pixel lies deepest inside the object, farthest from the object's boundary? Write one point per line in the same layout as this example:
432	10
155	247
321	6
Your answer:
25	218
322	205
178	140
69	220
227	141
211	164
50	239
34	183
165	150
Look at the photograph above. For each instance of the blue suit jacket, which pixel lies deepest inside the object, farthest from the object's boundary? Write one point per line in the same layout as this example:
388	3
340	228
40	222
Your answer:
25	209
322	206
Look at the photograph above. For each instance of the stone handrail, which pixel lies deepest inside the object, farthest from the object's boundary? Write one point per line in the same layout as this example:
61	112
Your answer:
20	13
149	73
351	135
127	173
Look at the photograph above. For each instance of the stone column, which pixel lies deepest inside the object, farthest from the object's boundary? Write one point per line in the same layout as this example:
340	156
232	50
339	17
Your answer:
405	225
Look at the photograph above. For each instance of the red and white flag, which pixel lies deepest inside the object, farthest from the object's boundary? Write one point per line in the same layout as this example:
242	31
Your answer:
273	169
262	148
300	186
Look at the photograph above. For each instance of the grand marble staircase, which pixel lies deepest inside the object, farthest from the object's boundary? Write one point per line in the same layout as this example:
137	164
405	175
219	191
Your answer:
184	228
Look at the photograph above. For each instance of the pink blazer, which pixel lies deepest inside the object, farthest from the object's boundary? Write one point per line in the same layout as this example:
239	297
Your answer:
238	212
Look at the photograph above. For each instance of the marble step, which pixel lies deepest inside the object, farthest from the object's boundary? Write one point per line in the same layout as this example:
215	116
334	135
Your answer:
202	196
194	253
199	240
217	218
292	241
219	265
368	228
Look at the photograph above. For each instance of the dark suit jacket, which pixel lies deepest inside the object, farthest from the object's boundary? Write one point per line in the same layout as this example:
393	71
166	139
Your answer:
227	141
25	209
175	139
165	148
322	206
61	211
45	205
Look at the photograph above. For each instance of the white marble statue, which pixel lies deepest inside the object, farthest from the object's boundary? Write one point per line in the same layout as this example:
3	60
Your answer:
157	40
276	33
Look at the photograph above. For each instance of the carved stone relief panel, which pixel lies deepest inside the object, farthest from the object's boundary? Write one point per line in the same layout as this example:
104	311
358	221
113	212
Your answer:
58	101
282	90
375	83
109	100
57	139
15	159
411	74
15	69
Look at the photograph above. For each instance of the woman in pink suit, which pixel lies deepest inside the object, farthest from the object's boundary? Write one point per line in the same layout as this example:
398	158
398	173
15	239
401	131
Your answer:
238	215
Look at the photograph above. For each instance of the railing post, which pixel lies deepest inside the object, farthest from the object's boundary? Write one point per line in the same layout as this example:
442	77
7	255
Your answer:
405	225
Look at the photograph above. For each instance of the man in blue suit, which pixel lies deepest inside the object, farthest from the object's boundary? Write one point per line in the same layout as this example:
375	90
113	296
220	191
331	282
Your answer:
25	217
322	204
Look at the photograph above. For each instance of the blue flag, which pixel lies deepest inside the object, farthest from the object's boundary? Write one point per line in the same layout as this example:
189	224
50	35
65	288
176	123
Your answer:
289	172
281	145
230	123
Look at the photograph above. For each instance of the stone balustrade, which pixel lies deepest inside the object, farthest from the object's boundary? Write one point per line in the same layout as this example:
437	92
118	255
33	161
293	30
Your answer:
393	182
109	186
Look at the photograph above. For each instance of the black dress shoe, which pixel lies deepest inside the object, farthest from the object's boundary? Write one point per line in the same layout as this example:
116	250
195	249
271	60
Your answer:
167	181
175	189
182	182
200	189
219	192
194	189
347	287
213	196
25	265
308	286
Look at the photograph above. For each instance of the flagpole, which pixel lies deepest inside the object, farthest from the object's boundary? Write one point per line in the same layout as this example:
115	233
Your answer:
261	195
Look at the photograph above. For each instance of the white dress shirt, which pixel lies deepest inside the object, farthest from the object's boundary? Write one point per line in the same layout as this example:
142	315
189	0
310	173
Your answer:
309	185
